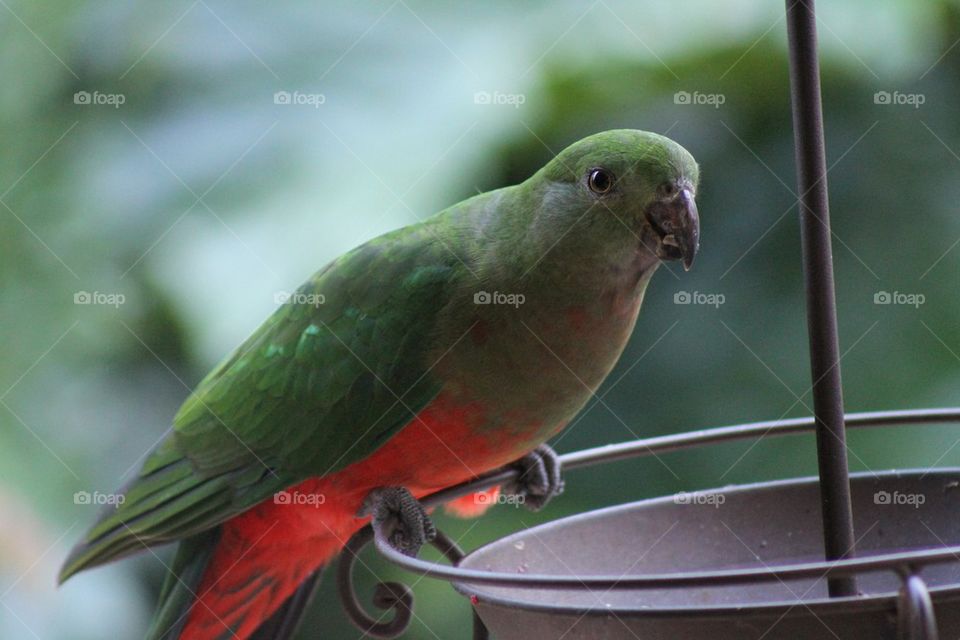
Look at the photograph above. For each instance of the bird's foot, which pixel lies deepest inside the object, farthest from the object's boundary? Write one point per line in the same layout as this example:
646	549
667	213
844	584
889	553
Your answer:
401	517
539	479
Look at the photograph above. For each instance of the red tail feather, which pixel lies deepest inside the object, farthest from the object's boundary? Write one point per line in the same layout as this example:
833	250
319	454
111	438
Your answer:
250	576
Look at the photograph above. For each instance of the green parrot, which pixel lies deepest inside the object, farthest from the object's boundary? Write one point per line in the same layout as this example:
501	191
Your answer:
418	360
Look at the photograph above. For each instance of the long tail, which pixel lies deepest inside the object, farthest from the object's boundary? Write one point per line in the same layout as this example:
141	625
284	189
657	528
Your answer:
224	586
285	621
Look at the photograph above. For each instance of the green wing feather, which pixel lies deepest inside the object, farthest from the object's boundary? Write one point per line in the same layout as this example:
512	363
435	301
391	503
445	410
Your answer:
331	375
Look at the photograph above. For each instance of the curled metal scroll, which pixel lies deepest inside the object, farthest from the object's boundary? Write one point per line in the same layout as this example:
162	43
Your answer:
388	595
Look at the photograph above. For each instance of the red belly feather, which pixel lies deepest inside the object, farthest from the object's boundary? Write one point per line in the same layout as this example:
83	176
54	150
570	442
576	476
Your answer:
264	553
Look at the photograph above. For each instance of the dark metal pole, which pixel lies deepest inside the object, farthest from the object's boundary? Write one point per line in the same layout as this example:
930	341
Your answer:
818	280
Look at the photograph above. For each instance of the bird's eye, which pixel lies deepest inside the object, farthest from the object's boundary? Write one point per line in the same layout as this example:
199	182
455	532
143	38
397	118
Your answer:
600	181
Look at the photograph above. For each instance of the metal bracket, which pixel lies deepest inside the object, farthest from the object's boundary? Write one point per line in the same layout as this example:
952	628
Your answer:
389	595
915	616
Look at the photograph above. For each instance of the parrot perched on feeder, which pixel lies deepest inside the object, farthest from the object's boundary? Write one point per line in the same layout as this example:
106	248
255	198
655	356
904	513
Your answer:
416	361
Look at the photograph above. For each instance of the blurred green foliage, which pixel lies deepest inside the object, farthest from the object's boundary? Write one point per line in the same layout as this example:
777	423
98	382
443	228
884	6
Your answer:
199	198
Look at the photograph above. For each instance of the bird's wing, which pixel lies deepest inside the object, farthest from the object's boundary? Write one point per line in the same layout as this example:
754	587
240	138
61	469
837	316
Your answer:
337	370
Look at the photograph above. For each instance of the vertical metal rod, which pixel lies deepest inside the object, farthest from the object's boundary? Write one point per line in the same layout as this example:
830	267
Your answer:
818	280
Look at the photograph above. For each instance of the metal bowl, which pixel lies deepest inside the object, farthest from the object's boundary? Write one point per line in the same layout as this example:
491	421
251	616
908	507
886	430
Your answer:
755	527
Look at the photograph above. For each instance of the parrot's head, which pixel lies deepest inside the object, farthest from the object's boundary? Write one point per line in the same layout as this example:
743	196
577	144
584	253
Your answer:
628	193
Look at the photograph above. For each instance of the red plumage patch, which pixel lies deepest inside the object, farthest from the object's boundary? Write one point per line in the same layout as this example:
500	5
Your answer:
266	552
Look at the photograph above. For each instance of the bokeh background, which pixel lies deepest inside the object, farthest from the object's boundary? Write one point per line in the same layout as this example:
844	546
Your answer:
147	163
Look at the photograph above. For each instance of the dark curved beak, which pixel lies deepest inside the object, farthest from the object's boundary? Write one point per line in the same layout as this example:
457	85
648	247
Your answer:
677	222
689	236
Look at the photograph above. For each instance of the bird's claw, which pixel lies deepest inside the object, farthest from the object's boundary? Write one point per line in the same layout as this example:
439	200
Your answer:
401	518
539	479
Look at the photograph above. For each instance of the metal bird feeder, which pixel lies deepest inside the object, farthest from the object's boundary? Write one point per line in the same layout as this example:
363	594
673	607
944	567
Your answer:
779	577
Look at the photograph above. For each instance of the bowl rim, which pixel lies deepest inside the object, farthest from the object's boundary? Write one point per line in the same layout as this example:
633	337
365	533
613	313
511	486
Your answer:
883	601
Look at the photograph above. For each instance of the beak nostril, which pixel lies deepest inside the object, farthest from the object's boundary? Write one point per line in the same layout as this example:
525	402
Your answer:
669	190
